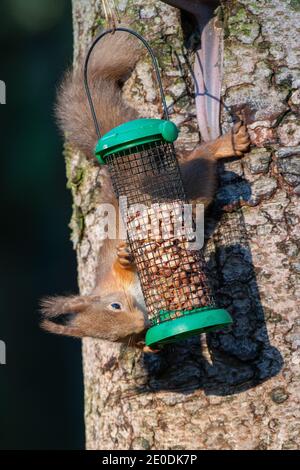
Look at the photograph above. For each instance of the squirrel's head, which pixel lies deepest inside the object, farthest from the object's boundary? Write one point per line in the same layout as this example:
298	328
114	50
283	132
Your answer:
113	317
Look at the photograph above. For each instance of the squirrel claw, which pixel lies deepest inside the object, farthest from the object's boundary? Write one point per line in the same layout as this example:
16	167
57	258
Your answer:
147	349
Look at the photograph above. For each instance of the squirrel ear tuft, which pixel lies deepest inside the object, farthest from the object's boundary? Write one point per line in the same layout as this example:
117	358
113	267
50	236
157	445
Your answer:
59	313
53	327
55	306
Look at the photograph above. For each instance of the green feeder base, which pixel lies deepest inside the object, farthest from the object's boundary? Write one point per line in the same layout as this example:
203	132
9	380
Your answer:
191	323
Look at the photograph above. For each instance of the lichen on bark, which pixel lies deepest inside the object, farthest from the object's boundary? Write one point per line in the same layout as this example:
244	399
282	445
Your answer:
238	389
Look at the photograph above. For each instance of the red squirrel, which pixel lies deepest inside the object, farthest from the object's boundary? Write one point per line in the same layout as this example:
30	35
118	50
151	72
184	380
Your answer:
115	310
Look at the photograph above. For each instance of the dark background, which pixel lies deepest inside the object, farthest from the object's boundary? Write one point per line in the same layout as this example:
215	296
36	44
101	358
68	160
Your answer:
41	384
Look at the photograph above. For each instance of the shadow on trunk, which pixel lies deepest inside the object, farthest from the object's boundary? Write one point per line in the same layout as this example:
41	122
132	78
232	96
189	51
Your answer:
239	357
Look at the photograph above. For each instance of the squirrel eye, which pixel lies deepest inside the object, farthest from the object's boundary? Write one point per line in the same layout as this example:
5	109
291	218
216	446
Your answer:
116	306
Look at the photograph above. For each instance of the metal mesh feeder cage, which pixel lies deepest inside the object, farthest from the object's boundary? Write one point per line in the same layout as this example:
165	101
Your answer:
146	176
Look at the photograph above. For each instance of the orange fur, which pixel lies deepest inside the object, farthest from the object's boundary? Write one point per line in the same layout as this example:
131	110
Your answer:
126	277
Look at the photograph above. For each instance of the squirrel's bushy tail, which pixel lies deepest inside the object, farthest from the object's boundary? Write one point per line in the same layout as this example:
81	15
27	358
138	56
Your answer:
111	63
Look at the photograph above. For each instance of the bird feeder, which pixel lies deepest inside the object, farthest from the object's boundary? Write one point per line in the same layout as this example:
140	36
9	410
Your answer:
142	163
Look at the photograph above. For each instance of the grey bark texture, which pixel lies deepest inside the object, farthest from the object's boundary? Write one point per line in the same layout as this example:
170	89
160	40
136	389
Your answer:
238	389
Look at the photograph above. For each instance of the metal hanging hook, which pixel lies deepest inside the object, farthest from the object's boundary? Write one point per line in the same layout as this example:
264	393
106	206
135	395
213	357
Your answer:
154	62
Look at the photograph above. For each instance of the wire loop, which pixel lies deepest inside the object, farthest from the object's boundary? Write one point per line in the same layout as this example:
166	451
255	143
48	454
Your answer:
154	62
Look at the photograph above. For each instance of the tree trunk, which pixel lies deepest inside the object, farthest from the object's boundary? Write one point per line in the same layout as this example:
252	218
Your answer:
236	389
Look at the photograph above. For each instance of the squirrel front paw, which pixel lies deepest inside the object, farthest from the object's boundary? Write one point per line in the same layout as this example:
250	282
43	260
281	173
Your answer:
234	143
240	139
124	255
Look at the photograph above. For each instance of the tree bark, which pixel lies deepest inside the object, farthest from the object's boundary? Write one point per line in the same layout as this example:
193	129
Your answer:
236	389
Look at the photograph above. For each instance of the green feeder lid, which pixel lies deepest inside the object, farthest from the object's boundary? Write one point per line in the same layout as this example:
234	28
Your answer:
132	133
191	323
